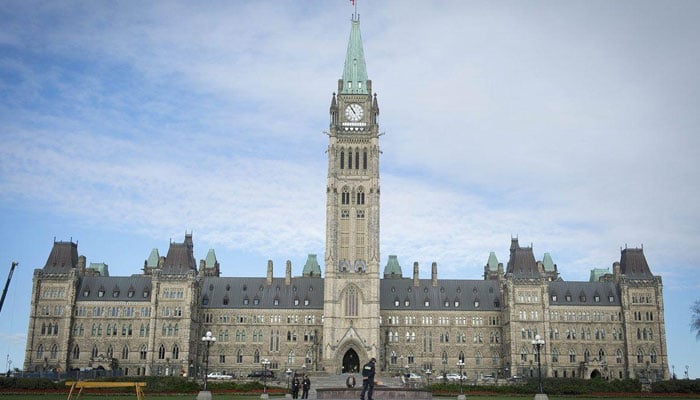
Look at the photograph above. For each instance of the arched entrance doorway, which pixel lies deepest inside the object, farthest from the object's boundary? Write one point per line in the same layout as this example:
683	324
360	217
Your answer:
595	374
351	361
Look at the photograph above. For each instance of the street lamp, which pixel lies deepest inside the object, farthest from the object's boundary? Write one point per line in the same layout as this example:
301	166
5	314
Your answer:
265	362
427	373
460	365
538	344
208	339
289	375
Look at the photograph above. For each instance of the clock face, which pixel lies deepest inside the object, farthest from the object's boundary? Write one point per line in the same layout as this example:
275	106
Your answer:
354	112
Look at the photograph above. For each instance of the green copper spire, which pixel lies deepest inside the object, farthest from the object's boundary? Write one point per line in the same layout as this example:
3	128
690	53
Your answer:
152	261
492	262
548	263
392	268
355	71
210	261
311	268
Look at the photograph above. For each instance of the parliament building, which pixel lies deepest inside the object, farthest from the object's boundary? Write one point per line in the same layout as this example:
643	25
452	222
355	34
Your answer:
331	320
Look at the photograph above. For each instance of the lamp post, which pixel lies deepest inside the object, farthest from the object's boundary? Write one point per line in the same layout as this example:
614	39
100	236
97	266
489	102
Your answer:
289	375
427	373
460	366
538	344
208	339
265	363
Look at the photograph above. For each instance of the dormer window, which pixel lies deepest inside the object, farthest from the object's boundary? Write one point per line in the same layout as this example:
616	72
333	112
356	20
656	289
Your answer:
256	301
115	293
427	303
296	302
349	85
476	303
86	293
276	302
306	302
146	293
568	298
456	303
245	301
554	298
101	293
407	303
596	298
359	85
130	293
396	303
611	298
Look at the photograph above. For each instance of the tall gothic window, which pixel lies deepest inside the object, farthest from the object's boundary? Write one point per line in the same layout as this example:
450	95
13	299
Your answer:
125	352
357	159
351	302
342	159
345	196
349	159
161	352
364	160
360	196
76	352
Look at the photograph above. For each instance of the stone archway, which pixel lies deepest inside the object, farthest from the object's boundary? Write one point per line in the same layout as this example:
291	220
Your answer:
596	374
351	361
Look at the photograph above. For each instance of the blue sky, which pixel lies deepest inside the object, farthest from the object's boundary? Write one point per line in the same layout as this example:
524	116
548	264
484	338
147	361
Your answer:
572	125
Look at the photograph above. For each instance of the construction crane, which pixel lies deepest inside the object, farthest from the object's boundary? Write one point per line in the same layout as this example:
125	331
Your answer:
7	284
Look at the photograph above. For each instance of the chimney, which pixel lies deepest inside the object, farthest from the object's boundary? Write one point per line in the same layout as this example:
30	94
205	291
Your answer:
416	282
433	274
269	272
288	274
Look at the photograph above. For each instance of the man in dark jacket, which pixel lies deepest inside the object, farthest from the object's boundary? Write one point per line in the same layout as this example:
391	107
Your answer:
305	386
368	380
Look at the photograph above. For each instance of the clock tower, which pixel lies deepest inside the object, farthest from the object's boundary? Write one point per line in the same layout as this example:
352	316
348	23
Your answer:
351	309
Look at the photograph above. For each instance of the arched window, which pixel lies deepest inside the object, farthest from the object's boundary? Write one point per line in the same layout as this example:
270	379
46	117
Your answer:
94	351
444	357
76	352
351	302
161	352
342	159
640	356
555	355
256	357
572	356
143	352
110	351
652	355
523	354
364	159
54	351
125	352
586	355
176	352
350	159
345	196
478	358
393	358
618	356
357	159
360	195
461	356
290	358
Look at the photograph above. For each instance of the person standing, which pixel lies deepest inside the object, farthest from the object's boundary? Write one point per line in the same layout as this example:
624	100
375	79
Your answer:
368	379
295	388
305	386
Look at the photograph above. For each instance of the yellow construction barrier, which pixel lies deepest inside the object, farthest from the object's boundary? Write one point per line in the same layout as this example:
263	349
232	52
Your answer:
103	385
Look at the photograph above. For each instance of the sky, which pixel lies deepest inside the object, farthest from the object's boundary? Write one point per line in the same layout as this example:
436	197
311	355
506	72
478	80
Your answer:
572	125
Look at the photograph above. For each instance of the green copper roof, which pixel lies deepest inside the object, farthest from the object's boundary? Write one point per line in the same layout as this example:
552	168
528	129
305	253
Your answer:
355	71
493	262
311	268
392	268
153	259
210	261
548	263
596	273
102	268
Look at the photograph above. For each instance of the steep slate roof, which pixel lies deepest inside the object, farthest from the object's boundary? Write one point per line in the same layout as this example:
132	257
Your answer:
466	292
634	265
522	262
217	291
583	293
355	69
63	258
392	268
180	258
115	288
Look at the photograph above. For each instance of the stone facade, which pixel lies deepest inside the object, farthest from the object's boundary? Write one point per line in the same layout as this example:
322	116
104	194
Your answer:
151	323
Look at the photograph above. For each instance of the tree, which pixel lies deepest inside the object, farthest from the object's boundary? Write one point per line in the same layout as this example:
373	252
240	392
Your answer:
695	319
